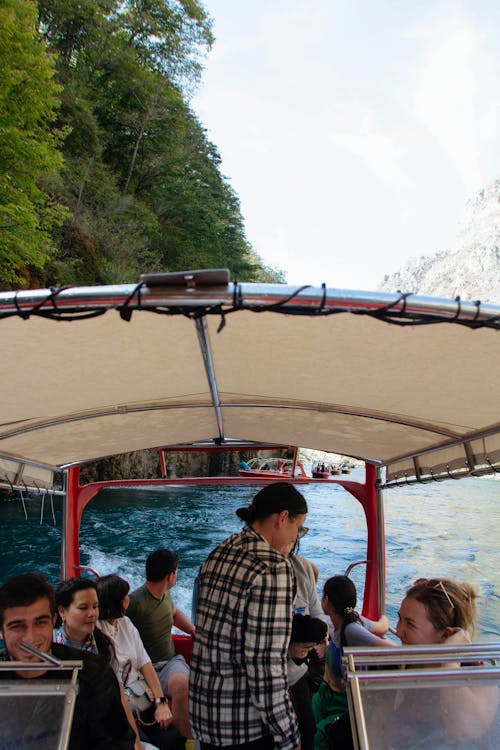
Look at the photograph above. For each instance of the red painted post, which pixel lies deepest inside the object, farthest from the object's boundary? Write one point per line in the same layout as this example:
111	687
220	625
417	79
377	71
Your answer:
71	542
376	556
375	551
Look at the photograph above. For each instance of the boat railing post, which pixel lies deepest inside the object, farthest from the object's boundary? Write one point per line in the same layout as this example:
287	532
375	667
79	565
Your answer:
70	550
381	542
374	597
64	507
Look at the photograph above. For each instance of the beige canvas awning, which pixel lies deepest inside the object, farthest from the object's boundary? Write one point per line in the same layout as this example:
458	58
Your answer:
421	399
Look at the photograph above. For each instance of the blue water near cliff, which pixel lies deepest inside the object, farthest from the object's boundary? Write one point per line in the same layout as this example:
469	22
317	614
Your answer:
445	529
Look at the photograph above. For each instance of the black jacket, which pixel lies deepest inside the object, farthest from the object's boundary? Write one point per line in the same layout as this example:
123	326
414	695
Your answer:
99	721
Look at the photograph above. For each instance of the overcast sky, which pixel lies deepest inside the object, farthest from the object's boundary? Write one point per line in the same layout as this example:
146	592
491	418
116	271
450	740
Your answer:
353	131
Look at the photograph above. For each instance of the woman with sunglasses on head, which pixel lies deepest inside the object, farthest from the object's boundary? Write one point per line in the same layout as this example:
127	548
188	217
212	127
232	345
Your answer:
441	611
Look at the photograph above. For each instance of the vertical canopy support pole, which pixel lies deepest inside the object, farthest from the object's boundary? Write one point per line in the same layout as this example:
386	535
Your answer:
163	465
201	328
375	552
70	548
370	498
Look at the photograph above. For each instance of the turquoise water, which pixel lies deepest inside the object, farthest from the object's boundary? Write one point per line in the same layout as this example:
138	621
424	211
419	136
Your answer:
448	528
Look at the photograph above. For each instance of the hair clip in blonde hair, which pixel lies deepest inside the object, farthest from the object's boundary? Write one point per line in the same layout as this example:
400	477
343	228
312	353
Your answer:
440	585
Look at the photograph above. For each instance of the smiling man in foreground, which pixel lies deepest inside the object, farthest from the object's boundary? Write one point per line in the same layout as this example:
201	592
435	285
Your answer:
27	613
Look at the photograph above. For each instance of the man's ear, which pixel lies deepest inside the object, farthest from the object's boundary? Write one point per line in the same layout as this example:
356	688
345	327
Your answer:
54	618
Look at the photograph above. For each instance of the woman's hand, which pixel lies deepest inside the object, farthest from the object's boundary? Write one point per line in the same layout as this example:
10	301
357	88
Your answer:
299	650
163	715
320	648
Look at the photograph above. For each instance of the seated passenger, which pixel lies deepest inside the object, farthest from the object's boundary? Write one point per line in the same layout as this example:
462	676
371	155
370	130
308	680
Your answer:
434	612
442	611
153	613
27	613
307	632
349	629
77	608
134	665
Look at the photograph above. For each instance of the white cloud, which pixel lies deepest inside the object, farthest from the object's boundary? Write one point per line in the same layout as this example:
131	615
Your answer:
378	151
456	97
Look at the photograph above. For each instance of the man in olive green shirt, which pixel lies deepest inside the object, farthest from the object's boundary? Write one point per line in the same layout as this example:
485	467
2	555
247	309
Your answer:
153	612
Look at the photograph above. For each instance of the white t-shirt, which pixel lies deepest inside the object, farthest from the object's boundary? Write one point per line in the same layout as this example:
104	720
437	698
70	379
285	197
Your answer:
130	652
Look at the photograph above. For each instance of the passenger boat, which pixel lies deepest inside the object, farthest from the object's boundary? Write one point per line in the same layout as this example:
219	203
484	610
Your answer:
281	469
321	471
98	371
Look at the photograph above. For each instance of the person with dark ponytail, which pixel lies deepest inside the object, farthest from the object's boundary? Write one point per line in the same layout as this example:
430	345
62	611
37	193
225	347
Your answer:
349	629
238	689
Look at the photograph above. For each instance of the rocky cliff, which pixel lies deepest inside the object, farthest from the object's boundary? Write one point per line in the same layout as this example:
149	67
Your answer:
471	268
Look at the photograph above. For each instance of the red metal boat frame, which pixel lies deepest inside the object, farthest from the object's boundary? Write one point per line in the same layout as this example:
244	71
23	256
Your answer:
79	496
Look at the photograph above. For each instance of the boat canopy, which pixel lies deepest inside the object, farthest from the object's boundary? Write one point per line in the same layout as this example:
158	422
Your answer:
404	382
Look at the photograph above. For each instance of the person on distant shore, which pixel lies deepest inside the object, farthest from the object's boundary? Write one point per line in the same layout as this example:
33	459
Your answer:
238	683
133	662
27	613
339	602
153	613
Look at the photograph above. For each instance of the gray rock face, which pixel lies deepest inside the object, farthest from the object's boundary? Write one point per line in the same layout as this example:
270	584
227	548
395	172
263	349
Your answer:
471	269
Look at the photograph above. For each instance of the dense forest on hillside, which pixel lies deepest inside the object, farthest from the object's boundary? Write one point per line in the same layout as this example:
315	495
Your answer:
105	171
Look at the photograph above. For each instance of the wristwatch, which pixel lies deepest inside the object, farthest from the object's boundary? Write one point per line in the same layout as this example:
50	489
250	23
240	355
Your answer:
158	701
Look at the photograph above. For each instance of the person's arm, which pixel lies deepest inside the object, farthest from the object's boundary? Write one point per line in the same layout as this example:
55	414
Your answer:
163	714
130	717
183	622
357	635
377	627
266	637
133	645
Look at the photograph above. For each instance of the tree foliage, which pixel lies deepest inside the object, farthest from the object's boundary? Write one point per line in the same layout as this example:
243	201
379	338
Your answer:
140	179
29	146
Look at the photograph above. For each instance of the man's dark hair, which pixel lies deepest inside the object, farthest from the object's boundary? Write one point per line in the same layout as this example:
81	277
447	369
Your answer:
307	629
160	563
111	590
23	590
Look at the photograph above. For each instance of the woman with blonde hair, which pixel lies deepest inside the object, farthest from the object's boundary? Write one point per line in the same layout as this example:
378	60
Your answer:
434	611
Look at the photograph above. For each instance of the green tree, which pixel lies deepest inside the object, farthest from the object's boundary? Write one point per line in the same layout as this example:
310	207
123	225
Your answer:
140	177
29	148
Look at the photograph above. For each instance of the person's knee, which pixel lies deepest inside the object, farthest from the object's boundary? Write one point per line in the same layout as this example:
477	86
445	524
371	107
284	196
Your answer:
178	685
